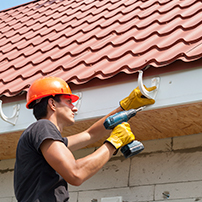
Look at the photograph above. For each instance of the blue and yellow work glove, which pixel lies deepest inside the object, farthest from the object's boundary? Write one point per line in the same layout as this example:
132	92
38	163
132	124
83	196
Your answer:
136	99
121	135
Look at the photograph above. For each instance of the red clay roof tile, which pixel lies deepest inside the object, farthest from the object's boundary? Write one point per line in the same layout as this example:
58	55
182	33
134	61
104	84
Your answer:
79	40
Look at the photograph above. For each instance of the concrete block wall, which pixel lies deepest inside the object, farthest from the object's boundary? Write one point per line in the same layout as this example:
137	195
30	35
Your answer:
167	170
6	181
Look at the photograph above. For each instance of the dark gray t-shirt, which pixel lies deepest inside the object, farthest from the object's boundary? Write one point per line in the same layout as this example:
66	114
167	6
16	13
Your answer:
34	178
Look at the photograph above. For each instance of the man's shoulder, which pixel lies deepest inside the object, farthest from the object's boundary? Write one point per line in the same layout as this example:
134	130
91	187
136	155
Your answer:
39	125
41	122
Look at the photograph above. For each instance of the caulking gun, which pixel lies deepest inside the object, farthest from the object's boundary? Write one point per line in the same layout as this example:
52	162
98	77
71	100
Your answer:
112	121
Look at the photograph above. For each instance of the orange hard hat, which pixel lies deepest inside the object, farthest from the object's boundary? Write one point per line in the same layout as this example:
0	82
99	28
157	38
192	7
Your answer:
48	86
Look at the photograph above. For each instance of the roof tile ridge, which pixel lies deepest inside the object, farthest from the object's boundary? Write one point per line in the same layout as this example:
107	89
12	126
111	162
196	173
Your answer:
27	33
76	15
174	5
64	14
149	48
164	21
167	9
195	10
169	31
136	25
146	4
183	17
12	25
16	12
9	77
103	9
83	20
69	3
47	3
159	32
32	43
110	10
37	12
40	58
34	23
172	44
42	71
49	18
155	20
121	32
137	40
20	53
188	3
121	54
15	92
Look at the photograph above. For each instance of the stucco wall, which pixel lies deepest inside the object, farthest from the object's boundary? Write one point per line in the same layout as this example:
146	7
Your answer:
172	166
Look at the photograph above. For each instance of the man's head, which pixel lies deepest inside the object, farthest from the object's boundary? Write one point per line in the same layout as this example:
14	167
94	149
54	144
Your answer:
40	109
42	90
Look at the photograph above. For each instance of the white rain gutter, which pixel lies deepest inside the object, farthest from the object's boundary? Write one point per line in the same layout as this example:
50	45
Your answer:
176	88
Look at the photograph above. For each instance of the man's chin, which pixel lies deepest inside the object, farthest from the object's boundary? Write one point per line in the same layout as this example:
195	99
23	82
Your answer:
71	123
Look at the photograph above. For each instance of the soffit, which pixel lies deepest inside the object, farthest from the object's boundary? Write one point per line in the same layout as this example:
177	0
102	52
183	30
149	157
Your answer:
148	125
81	40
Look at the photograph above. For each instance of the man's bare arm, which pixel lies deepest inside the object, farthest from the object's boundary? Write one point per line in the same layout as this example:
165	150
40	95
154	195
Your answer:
75	172
93	134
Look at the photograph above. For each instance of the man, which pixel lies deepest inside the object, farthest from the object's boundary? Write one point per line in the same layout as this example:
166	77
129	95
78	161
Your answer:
44	160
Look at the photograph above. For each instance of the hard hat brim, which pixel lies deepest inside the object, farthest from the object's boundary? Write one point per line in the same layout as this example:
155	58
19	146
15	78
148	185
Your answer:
73	97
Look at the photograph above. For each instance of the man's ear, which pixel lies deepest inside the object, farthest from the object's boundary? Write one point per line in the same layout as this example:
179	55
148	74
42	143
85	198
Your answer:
51	104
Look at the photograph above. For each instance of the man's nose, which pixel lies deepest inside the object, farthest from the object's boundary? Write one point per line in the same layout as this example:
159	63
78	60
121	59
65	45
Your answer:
74	109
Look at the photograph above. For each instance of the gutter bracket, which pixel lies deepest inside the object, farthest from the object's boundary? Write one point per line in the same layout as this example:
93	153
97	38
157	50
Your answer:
13	119
154	82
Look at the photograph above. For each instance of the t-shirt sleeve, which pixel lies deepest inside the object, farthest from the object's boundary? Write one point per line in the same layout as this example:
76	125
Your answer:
43	130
